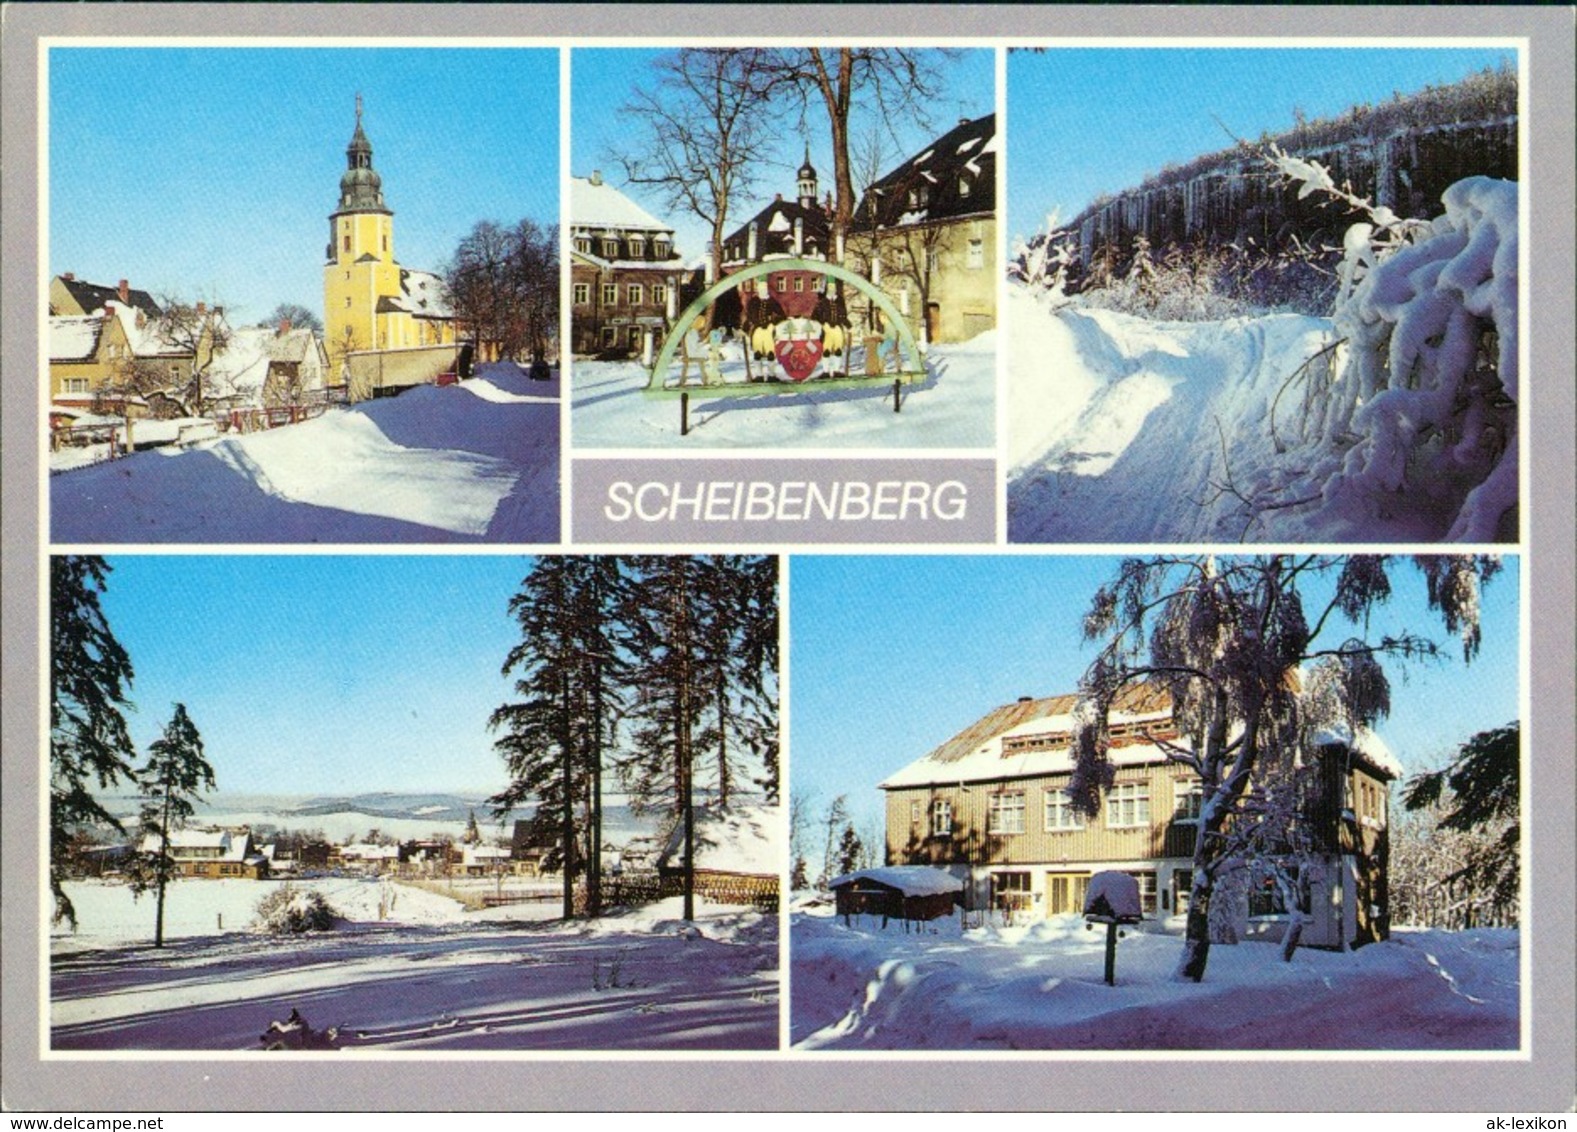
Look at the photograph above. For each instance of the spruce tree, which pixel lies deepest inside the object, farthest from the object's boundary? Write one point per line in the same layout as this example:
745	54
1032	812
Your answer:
175	773
568	671
89	745
662	619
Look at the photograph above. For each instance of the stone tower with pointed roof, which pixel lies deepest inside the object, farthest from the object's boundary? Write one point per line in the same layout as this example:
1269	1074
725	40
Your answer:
370	302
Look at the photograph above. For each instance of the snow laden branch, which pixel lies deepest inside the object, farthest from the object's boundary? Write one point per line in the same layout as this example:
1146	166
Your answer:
1417	410
1263	666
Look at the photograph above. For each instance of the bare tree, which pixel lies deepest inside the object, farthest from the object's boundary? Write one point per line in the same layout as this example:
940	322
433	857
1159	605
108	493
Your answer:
197	330
702	132
503	284
295	314
896	83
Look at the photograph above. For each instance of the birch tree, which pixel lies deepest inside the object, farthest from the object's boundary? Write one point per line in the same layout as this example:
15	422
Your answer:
1254	667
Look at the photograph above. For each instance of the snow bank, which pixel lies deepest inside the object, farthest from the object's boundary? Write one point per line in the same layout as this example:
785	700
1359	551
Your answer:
1394	422
473	462
1041	987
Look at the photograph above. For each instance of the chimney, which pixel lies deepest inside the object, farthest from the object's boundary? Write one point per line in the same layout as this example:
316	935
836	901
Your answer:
1026	699
201	306
284	327
778	197
69	276
963	121
124	291
596	176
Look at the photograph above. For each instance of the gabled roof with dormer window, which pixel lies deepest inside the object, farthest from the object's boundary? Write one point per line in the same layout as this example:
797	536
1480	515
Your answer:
953	177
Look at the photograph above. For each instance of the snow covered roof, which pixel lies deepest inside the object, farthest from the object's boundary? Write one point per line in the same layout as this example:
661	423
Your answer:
483	854
745	838
74	337
421	293
775	231
965	155
1369	747
143	334
1030	737
597	204
911	880
241	368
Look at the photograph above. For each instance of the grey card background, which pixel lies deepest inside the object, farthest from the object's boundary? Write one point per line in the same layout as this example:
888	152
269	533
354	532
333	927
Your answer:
1545	1082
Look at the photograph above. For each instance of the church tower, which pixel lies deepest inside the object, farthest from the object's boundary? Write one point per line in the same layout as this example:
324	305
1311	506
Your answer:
807	181
360	255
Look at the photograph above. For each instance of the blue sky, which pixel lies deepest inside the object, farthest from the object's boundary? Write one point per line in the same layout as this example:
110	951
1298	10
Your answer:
210	172
601	80
1083	121
890	656
312	674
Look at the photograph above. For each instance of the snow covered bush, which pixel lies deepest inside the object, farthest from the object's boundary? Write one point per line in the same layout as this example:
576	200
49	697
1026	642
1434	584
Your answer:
1412	413
291	911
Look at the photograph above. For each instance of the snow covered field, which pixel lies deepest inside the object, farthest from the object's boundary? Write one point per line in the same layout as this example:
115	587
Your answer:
474	462
954	408
428	977
1040	987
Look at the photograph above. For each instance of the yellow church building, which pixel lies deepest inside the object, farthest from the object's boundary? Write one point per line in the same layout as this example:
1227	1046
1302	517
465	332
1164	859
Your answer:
386	326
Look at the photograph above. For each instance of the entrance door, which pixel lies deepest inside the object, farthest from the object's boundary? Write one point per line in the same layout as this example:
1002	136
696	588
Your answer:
1065	893
933	321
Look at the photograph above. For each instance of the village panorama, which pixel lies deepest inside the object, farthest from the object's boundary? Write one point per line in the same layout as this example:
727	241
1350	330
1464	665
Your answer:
394	404
616	888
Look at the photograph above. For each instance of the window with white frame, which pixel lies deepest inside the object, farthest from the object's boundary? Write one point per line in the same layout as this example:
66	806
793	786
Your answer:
977	254
1005	812
659	249
610	294
1147	890
610	248
637	247
1060	814
1127	805
914	813
941	818
634	292
583	245
659	292
1188	797
75	385
582	293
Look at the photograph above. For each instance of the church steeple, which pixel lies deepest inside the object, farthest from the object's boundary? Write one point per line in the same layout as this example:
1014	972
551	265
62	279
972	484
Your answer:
807	181
360	189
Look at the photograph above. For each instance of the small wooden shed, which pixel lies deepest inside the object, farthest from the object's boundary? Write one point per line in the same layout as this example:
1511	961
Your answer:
898	892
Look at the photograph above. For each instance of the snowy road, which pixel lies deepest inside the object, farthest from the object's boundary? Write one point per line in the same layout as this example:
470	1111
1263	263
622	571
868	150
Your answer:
1124	430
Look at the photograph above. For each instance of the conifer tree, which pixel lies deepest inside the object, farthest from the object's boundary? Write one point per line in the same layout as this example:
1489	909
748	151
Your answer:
175	773
1252	675
89	745
663	621
553	740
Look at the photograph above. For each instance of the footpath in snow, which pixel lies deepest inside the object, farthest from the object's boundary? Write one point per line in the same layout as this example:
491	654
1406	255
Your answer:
1125	430
473	462
427	976
955	407
1041	987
